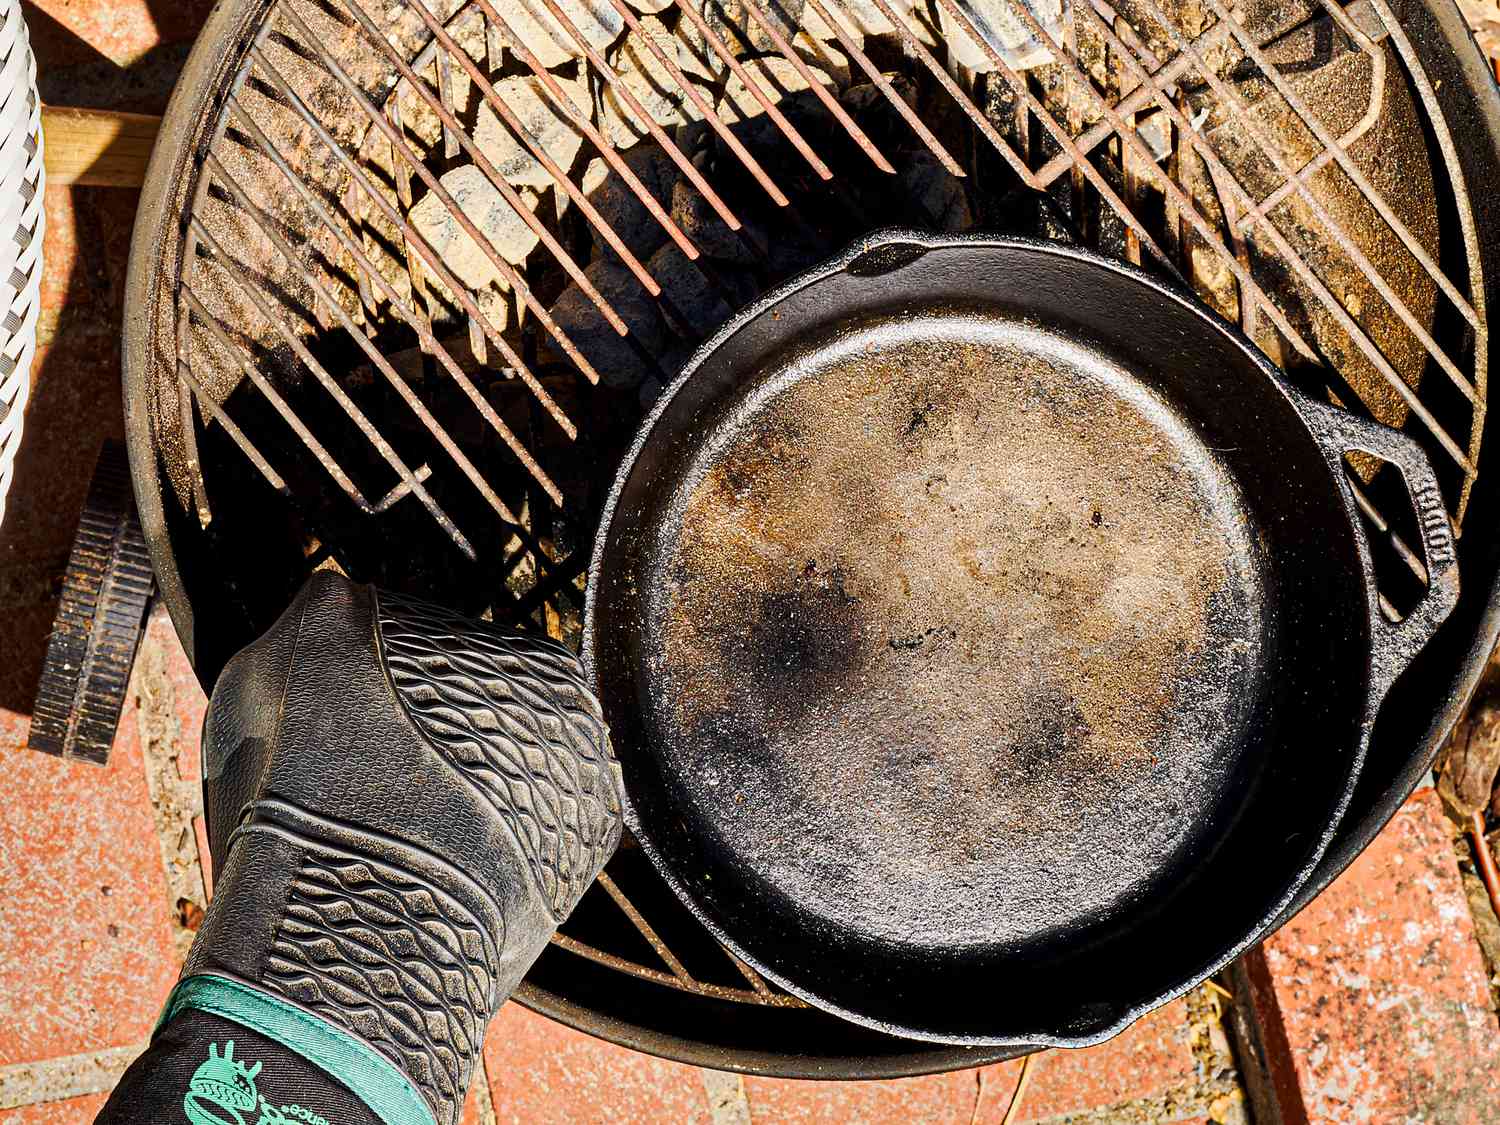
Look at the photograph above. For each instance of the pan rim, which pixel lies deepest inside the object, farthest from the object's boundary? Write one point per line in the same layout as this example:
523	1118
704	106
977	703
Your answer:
1127	1012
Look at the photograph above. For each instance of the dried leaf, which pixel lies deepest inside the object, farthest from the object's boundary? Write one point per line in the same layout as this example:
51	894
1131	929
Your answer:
1466	773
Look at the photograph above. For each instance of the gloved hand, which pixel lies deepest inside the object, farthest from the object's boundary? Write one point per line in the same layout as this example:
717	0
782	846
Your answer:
402	806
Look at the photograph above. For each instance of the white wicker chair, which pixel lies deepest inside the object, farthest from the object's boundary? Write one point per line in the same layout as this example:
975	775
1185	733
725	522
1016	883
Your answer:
21	227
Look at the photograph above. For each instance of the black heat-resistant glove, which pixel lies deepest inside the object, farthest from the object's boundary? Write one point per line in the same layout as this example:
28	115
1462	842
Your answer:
402	806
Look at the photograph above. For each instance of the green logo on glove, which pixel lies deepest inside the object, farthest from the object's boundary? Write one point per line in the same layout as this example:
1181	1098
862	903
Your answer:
222	1091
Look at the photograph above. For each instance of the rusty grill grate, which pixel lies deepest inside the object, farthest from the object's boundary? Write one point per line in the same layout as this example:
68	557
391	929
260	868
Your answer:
440	255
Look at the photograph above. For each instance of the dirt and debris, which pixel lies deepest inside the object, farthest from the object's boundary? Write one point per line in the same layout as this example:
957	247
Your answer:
175	801
1467	781
1486	923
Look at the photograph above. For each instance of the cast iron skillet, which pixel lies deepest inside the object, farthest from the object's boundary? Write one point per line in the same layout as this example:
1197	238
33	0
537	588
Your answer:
988	639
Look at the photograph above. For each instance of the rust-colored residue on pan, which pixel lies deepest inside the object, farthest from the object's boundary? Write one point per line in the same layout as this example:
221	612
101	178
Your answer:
951	598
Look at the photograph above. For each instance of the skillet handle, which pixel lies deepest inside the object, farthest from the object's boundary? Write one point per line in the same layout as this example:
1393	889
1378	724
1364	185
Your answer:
1395	643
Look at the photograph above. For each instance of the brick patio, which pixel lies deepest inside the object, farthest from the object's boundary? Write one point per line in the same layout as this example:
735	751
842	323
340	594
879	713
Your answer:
1371	1006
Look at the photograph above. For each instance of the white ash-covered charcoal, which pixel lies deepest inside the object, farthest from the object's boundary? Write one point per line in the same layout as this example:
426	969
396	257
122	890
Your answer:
923	21
489	211
494	302
551	127
598	21
825	56
652	7
1000	24
866	102
936	197
857	18
620	206
652	84
775	77
703	226
738	29
688	295
619	363
1155	129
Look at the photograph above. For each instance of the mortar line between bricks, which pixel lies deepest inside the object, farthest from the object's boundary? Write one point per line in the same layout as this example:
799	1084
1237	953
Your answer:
1191	1099
173	803
484	1100
728	1101
70	1076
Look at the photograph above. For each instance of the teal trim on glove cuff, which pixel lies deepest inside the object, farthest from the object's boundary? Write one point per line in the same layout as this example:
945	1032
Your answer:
372	1077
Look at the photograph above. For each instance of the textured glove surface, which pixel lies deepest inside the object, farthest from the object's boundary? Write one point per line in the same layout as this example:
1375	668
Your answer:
402	805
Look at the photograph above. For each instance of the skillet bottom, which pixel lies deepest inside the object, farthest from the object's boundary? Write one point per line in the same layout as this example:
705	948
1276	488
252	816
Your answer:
956	635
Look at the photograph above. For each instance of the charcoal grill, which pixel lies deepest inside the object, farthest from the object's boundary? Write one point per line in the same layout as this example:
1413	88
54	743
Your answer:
407	274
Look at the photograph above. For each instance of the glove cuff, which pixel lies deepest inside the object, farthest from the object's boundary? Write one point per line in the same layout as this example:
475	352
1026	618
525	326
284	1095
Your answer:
349	1060
392	945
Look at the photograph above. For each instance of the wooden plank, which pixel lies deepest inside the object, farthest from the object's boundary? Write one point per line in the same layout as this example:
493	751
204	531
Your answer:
98	148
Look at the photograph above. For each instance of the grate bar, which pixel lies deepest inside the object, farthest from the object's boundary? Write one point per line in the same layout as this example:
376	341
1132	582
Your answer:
452	129
1347	165
350	408
788	130
279	404
638	920
830	103
883	84
1330	224
236	272
1444	139
421	300
247	447
398	384
1084	166
430	342
561	177
417	323
962	100
606	150
1403	550
1137	99
185	420
359	221
1304	271
411	237
704	988
757	981
690	91
1128	138
1360	127
400	146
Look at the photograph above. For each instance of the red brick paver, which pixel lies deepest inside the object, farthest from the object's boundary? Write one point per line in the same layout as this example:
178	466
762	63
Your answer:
1381	987
938	1099
70	1111
541	1071
68	33
85	943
